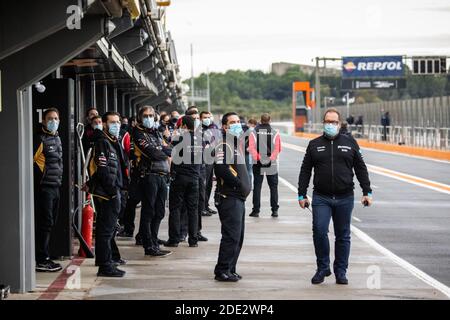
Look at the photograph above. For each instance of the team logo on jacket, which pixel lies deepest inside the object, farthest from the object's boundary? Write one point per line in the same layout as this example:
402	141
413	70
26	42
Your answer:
344	148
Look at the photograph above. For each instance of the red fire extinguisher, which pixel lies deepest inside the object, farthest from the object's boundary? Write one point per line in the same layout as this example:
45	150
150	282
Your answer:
87	226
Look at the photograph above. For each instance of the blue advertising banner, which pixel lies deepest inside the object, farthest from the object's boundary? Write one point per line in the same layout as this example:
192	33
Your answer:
372	67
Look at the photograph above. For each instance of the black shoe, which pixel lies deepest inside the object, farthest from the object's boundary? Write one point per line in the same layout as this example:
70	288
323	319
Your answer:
237	275
157	253
226	277
320	275
201	237
206	213
163	242
164	253
211	211
171	244
48	266
119	262
254	214
124	234
183	239
341	279
193	245
110	272
275	213
138	241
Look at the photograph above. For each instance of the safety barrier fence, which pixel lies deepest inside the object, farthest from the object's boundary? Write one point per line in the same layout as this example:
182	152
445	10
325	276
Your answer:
425	137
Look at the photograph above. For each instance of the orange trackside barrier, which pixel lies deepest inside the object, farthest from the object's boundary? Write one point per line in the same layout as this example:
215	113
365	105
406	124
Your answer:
416	151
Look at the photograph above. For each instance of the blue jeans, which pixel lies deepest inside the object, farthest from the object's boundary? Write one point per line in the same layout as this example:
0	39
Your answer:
325	208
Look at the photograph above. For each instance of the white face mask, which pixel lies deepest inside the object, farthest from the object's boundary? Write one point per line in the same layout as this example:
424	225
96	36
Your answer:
114	129
53	125
206	122
148	122
330	129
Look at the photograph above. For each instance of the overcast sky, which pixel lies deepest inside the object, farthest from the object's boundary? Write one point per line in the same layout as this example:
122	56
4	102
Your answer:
251	34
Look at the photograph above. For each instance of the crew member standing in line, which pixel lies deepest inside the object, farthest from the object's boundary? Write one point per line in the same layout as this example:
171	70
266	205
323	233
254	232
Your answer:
48	172
265	146
184	188
88	135
233	187
208	133
107	170
153	166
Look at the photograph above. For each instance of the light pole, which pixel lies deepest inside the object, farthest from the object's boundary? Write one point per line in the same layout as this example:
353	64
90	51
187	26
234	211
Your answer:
346	99
317	79
325	100
192	73
208	90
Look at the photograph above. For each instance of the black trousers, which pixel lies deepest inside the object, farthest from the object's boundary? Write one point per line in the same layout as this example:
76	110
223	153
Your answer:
232	218
123	203
46	213
134	197
183	190
209	168
201	196
184	227
106	248
154	194
272	180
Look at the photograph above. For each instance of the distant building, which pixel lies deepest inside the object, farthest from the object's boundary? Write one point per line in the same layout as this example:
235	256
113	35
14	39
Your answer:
280	69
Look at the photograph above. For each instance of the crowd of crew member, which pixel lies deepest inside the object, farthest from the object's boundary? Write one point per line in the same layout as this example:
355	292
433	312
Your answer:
131	163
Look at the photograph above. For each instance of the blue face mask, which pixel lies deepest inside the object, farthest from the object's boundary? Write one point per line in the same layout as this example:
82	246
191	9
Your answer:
206	122
331	130
53	125
114	129
235	129
196	123
98	126
148	122
156	125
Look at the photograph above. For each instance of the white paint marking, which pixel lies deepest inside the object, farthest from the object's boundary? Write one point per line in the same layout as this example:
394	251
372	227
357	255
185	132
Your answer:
288	184
389	254
402	263
356	219
294	147
391	174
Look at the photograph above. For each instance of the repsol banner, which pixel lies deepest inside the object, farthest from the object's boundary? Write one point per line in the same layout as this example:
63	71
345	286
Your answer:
372	67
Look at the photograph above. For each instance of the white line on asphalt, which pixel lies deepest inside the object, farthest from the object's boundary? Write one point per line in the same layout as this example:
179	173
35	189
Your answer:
389	254
294	147
288	184
401	262
440	187
422	182
356	219
374	186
